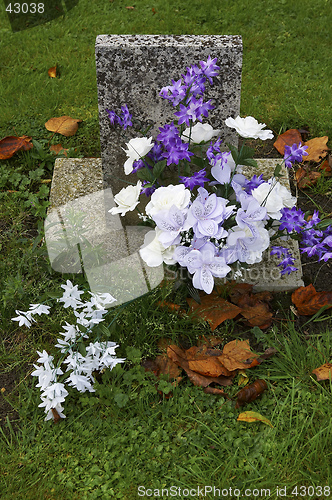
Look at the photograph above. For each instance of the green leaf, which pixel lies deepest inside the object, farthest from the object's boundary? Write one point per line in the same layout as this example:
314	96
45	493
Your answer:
276	172
245	154
121	399
250	162
133	354
145	174
159	168
234	151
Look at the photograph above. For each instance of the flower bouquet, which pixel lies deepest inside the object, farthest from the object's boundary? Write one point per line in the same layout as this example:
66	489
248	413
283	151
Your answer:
213	219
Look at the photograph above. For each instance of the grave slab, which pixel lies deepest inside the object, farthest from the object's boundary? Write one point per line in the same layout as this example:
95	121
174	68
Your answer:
132	69
80	232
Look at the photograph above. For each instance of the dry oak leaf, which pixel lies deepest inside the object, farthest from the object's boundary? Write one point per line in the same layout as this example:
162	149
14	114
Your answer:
64	125
236	354
167	366
253	416
324	372
317	149
288	138
10	145
177	355
308	301
256	311
52	72
213	309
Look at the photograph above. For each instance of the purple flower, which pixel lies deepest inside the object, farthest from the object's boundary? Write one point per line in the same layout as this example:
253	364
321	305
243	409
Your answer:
213	147
171	223
177	90
177	150
204	264
156	153
250	213
206	213
253	183
167	133
197	179
114	118
288	260
126	117
149	190
294	153
291	219
209	68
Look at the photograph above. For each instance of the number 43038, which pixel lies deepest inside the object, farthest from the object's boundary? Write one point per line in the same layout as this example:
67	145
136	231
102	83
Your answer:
25	8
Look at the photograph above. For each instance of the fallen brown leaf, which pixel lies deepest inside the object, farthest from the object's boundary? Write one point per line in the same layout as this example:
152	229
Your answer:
253	416
57	148
215	391
305	178
236	354
213	309
177	355
10	145
167	366
64	125
324	372
288	138
250	392
52	72
317	149
308	301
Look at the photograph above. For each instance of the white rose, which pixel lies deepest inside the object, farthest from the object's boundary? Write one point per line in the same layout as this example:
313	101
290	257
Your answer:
273	196
127	199
137	148
200	132
153	252
164	197
249	127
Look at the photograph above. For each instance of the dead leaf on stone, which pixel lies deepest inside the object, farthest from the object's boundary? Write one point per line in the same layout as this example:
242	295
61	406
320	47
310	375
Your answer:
64	125
288	138
52	72
317	149
213	309
324	372
10	145
57	149
235	355
308	301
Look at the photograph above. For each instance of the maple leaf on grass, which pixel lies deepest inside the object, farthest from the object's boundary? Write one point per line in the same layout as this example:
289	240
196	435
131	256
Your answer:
308	301
64	125
10	145
323	372
306	178
213	309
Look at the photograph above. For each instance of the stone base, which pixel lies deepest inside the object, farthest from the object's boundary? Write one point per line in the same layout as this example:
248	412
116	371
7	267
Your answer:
79	230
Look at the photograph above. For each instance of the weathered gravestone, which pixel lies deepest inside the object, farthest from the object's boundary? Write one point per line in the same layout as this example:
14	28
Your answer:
132	69
80	232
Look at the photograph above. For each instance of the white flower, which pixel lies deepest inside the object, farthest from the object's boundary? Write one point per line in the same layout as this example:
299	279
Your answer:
273	196
249	127
59	409
81	382
153	252
39	309
199	132
127	199
137	148
102	300
24	318
71	295
165	197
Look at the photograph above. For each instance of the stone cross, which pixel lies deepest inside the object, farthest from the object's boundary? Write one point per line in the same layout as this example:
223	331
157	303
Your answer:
132	69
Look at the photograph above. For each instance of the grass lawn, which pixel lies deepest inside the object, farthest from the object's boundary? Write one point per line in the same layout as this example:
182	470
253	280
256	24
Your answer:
127	434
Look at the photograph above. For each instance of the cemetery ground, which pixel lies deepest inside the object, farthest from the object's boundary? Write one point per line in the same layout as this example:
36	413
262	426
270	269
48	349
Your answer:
127	433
